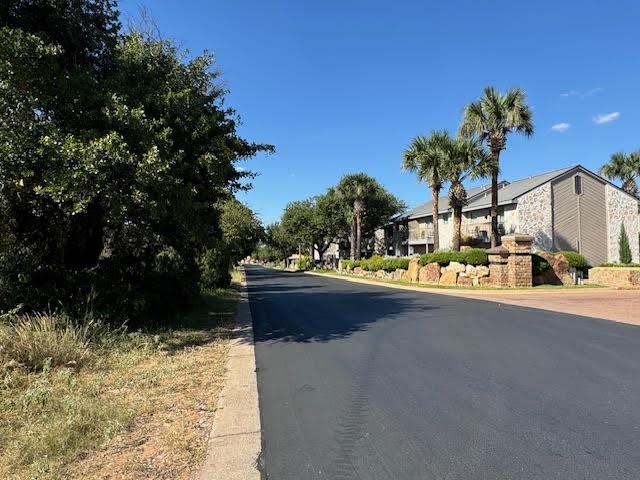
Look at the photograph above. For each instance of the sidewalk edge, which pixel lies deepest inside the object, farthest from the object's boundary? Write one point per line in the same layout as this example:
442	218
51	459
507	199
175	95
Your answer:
235	441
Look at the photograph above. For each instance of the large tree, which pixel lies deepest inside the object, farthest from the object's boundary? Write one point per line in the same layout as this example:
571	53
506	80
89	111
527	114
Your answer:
369	206
624	167
425	157
491	119
466	158
114	155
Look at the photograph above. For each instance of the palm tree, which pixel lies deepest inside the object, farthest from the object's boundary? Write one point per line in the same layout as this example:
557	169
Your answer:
356	188
465	158
425	158
490	119
624	167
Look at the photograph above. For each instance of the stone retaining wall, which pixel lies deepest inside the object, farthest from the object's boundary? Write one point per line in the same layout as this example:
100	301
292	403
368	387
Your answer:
619	277
509	266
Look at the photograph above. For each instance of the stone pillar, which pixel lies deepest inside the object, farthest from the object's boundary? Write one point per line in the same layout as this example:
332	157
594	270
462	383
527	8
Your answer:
519	264
498	266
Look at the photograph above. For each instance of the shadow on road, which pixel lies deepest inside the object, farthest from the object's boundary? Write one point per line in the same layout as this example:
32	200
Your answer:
293	307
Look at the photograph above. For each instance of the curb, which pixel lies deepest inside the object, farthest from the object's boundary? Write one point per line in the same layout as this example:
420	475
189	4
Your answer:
235	441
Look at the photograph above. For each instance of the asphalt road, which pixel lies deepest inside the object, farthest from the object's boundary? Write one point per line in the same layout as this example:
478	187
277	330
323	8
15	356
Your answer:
366	382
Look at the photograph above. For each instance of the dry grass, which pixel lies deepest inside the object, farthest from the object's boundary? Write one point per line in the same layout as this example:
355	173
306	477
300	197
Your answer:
142	408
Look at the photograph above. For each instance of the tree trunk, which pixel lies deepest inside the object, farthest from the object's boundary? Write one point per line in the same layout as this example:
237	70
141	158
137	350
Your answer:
352	239
436	230
457	223
358	235
494	199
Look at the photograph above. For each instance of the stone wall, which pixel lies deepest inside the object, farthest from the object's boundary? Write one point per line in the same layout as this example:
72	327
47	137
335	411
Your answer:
619	277
535	217
621	208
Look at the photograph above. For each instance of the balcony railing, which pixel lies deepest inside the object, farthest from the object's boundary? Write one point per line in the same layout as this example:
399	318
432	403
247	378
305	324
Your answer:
480	230
421	236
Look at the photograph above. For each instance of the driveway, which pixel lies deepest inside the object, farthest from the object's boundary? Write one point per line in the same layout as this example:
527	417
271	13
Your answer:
365	382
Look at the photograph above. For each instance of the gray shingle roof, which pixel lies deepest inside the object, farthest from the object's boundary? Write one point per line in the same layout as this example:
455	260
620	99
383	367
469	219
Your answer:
511	191
426	209
480	197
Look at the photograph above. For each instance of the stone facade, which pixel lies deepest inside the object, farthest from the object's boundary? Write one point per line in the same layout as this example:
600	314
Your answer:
621	208
535	217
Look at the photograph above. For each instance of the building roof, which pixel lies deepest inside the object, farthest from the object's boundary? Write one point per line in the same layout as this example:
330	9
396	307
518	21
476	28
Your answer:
426	209
480	197
510	192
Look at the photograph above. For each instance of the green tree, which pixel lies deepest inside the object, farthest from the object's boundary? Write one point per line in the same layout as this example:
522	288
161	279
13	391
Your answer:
115	153
624	250
298	221
624	167
425	157
241	229
463	158
368	206
490	119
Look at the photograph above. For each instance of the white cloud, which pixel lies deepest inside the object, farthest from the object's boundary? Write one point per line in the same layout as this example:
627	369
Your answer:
561	127
606	117
582	94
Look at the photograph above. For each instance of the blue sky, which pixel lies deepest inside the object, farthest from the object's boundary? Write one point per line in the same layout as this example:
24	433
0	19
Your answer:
343	86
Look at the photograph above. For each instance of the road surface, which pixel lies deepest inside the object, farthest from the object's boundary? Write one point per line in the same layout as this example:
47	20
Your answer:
366	382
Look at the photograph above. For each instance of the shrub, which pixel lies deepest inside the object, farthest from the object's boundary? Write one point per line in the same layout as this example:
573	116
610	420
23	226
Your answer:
215	267
350	264
575	260
475	256
304	263
624	251
442	258
376	263
38	340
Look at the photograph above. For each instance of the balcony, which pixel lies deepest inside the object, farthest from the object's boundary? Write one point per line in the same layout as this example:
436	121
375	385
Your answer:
420	237
480	230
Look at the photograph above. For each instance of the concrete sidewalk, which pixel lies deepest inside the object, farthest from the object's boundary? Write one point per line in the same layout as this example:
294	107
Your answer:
604	303
235	442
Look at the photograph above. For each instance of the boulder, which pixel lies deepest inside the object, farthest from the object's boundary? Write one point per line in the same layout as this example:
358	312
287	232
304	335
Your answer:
482	271
358	271
558	271
456	267
381	274
471	271
465	281
414	270
429	274
398	274
443	269
449	278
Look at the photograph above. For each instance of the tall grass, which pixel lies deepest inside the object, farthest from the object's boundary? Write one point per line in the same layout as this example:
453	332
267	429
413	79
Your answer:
38	340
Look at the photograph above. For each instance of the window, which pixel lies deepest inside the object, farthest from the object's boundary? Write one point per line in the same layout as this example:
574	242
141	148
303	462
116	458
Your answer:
445	218
577	185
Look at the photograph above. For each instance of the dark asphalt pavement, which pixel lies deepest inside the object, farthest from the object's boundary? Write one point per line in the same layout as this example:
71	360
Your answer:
366	382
